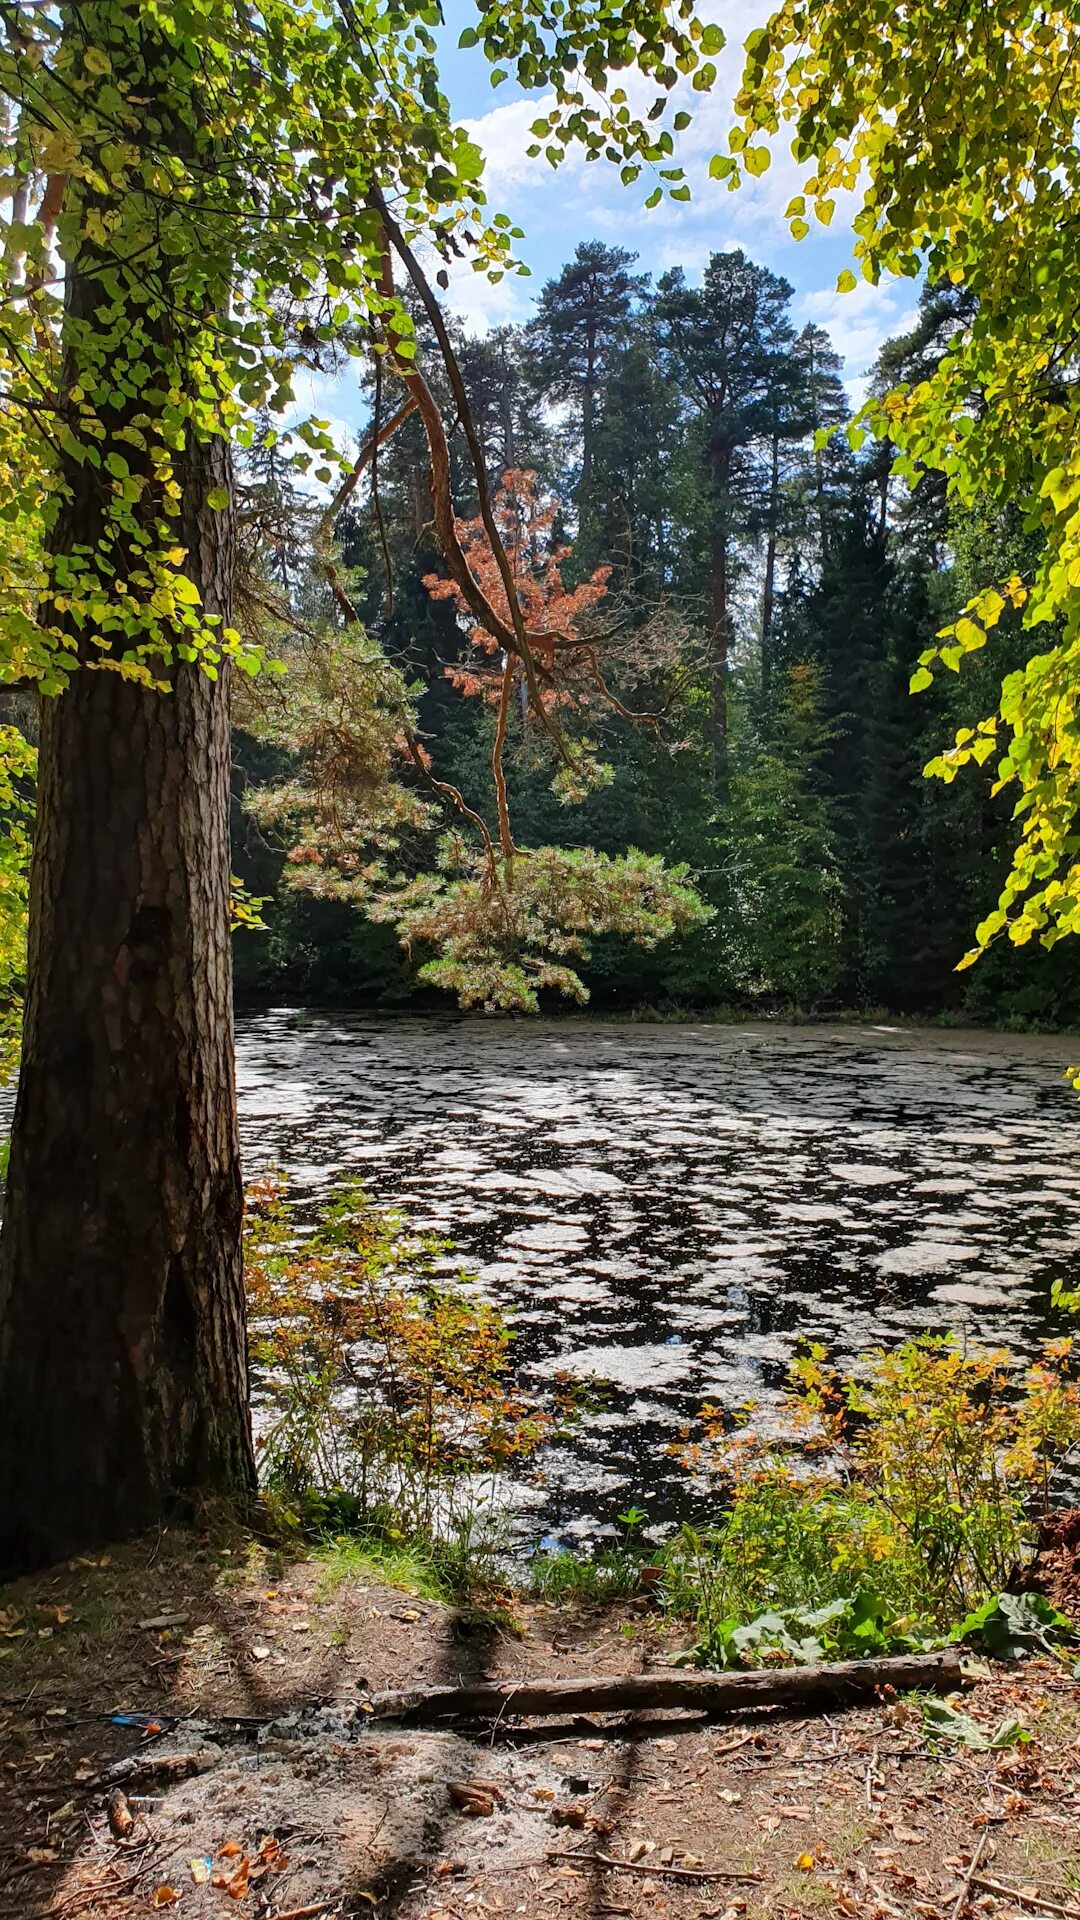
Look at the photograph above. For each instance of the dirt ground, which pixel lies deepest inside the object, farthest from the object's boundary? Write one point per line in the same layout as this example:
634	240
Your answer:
259	1790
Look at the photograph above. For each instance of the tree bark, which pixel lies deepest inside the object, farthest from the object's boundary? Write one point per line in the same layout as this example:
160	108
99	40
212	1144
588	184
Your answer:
123	1367
719	615
818	1686
768	594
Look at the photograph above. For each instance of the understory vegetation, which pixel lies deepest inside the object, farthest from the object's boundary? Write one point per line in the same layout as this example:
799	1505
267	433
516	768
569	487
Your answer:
387	1413
895	1507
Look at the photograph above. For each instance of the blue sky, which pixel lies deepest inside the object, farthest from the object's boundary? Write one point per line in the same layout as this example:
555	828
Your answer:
584	201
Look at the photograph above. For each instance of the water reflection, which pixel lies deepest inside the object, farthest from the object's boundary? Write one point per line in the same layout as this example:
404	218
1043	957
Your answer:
671	1206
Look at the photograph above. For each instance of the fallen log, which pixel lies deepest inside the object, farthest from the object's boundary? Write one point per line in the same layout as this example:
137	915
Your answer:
845	1681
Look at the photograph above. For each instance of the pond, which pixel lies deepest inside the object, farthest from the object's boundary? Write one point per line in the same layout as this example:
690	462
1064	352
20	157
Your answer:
671	1208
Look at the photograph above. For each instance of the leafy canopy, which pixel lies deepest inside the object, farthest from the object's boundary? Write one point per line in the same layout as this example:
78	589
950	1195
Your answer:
200	197
208	168
958	125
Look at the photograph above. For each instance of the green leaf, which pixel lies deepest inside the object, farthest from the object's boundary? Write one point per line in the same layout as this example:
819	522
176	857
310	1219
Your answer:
468	161
1013	1624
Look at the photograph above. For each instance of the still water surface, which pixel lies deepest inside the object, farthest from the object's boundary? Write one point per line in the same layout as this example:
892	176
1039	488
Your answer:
670	1208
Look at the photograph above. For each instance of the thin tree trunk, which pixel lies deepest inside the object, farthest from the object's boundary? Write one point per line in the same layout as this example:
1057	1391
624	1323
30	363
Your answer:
506	418
719	618
768	596
588	408
822	507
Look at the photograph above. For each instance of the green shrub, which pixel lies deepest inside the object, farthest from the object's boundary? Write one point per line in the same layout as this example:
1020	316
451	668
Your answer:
387	1407
903	1497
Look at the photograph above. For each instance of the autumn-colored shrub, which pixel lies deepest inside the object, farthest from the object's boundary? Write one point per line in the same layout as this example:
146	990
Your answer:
383	1387
914	1484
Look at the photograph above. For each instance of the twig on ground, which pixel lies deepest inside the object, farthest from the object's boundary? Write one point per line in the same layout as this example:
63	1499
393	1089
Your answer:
611	1865
1022	1898
304	1913
964	1894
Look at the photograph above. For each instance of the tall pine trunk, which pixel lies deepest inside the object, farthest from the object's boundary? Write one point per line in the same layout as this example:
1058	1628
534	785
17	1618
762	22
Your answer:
123	1370
123	1376
719	614
768	592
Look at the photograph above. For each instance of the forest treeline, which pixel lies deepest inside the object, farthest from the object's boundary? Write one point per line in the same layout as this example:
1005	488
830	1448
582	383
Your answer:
670	467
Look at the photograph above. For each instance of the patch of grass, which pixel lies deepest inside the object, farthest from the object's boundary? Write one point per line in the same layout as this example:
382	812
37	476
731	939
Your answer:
367	1559
798	1893
614	1575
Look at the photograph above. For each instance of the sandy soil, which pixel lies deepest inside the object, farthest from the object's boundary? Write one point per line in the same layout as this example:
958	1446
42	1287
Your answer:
264	1793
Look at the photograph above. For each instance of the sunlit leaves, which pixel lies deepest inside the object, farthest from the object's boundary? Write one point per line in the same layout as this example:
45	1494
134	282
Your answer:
957	130
236	204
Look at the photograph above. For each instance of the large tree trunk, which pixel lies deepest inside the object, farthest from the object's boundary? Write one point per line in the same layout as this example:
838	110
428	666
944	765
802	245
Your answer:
123	1374
123	1377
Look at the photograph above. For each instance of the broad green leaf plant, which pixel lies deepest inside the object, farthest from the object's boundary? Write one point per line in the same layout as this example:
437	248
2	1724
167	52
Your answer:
956	128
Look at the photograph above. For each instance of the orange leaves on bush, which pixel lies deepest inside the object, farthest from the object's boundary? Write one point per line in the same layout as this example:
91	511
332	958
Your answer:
526	520
390	1382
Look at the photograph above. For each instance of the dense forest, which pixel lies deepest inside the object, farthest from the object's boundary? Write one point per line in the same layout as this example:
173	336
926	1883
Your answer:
671	464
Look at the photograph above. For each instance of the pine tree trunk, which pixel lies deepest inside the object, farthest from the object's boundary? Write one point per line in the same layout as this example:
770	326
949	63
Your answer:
588	409
123	1367
719	617
123	1373
768	595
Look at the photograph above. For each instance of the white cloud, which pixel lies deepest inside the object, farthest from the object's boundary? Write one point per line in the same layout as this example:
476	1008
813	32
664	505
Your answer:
504	136
860	322
473	299
583	199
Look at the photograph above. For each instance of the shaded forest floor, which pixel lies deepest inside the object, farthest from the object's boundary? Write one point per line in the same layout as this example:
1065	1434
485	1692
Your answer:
253	1800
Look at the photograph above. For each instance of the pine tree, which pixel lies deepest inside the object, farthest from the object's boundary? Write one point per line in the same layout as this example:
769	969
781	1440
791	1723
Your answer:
582	320
724	345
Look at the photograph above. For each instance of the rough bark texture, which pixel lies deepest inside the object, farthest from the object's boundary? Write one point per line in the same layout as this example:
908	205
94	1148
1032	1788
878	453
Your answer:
123	1375
843	1680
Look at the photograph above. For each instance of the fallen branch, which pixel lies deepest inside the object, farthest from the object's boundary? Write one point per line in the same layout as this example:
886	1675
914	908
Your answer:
964	1894
150	1768
1022	1899
611	1865
844	1681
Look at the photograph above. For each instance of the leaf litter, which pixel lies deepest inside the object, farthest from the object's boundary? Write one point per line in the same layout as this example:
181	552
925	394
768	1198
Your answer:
259	1795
